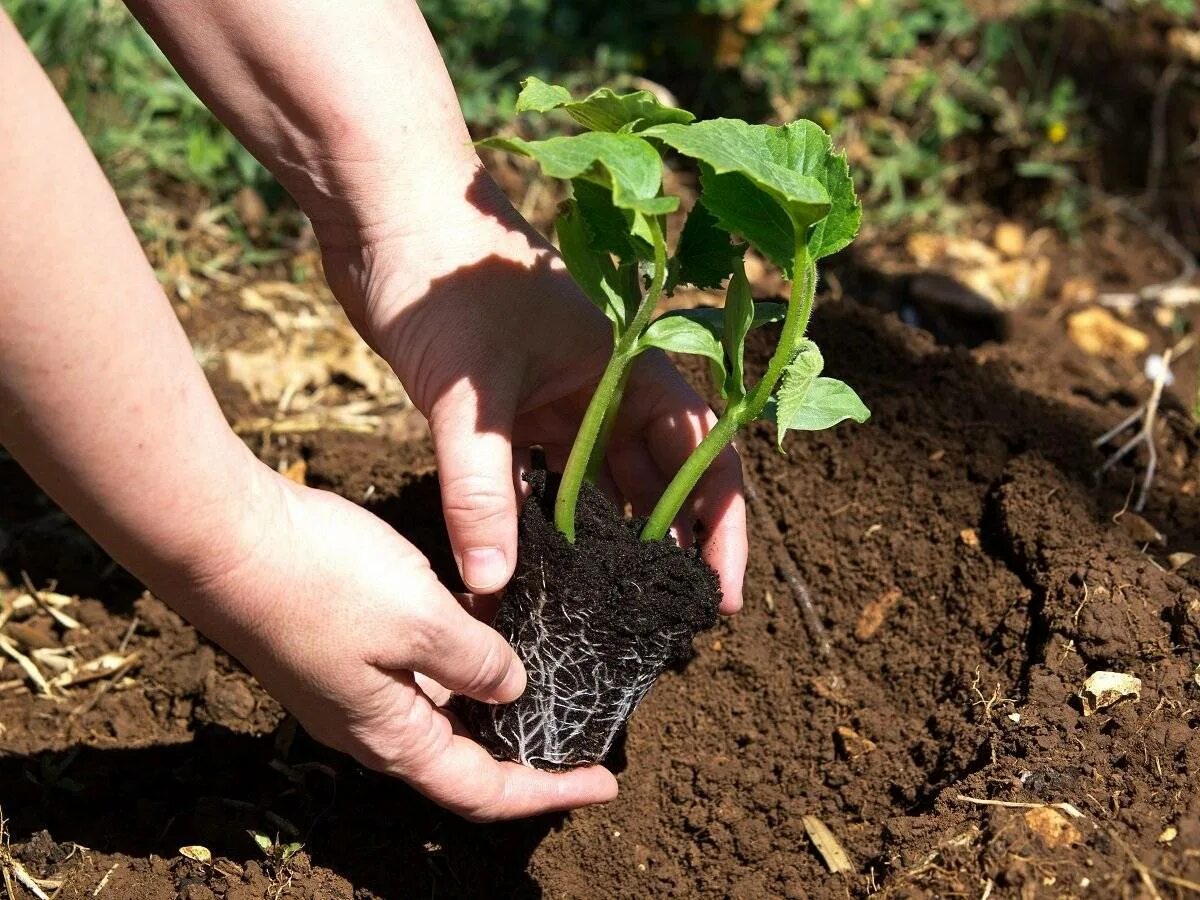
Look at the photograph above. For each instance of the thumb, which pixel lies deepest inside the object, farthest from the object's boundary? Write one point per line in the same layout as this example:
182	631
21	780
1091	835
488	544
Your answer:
478	497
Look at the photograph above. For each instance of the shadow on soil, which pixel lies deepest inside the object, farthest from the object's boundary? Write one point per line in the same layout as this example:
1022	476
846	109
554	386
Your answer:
367	828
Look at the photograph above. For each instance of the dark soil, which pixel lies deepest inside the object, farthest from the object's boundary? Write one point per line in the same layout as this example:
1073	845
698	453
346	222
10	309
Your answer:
967	575
595	623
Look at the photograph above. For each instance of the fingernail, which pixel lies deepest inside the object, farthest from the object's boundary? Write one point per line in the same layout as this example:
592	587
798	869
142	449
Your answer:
484	568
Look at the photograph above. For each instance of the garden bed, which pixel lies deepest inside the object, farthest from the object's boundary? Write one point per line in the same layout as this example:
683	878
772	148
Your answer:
966	575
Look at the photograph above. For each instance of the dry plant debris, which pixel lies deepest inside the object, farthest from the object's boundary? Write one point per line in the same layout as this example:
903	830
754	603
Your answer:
1105	689
874	613
1098	332
827	845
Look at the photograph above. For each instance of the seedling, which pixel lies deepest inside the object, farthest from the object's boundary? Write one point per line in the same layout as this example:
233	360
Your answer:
779	189
597	621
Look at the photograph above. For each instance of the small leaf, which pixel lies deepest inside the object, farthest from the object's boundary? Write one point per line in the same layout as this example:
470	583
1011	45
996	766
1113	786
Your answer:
678	332
625	163
706	255
827	403
290	850
603	110
737	321
196	852
538	96
594	272
766	312
793	390
265	844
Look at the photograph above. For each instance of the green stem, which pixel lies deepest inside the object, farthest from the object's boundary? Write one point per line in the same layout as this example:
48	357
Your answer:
741	413
590	441
606	428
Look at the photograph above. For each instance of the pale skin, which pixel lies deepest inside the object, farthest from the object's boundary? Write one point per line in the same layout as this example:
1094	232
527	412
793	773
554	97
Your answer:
102	402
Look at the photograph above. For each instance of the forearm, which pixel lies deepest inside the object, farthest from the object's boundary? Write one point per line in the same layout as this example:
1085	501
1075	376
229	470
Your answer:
349	104
101	399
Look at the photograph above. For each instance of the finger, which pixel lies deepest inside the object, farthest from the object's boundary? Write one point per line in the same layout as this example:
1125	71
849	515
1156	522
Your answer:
721	510
411	739
478	496
465	779
638	477
438	638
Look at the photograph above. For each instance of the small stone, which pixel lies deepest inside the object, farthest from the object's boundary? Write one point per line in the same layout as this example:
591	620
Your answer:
1052	827
1105	689
1098	332
1009	239
1168	834
970	537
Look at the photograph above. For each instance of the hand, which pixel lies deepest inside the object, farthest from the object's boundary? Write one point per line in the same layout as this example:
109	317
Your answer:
500	351
333	612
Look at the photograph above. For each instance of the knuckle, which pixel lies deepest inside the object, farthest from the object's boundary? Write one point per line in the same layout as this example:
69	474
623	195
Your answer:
474	499
492	669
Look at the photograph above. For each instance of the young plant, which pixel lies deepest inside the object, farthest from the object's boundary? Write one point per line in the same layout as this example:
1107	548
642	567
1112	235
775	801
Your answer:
600	606
779	189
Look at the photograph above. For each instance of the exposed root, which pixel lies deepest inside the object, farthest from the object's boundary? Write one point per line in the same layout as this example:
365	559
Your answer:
1147	415
579	691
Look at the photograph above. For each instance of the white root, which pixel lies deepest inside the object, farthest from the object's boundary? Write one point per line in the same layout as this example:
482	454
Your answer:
575	691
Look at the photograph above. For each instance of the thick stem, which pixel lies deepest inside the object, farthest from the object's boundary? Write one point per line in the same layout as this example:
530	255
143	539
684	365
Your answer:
606	428
594	429
736	415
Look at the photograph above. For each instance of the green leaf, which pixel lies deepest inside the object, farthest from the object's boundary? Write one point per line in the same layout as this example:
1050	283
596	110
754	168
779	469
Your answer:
806	401
594	272
737	321
538	96
625	163
608	226
264	843
706	255
679	332
603	110
766	162
793	390
767	183
838	229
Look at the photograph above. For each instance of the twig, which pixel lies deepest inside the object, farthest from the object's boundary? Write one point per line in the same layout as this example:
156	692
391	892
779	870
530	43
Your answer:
116	675
104	881
787	568
1070	809
56	614
27	665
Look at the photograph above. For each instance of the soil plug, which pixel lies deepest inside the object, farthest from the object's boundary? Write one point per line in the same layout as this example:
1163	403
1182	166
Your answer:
601	606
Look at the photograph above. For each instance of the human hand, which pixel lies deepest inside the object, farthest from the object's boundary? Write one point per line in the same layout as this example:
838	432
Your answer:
500	350
335	614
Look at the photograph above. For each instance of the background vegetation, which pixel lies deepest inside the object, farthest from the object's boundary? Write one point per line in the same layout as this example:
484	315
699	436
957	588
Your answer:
940	102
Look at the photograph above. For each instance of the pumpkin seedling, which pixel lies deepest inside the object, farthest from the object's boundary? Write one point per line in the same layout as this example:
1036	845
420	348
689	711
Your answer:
601	606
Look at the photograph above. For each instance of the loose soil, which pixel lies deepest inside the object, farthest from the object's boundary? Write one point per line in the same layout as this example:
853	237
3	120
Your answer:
595	623
966	575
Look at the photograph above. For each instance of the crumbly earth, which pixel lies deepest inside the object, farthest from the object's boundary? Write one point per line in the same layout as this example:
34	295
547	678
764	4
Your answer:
595	622
967	575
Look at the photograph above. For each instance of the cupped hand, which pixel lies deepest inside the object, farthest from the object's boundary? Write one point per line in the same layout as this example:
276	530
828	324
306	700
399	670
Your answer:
500	351
335	614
